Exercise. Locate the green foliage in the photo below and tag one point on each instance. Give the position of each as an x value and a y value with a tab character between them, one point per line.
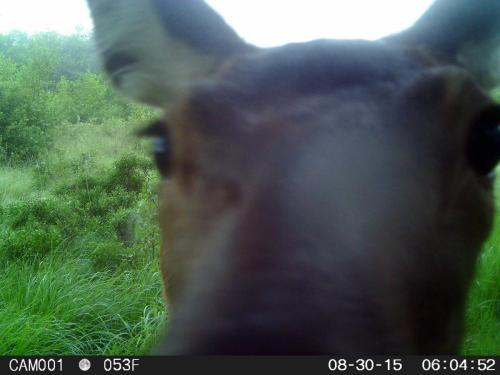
48	79
79	254
483	312
106	255
100	199
41	211
128	173
101	195
78	237
73	54
24	122
88	98
495	93
30	243
60	307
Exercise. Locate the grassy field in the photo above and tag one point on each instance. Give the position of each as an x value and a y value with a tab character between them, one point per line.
79	252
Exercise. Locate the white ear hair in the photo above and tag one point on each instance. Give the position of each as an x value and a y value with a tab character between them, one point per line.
144	59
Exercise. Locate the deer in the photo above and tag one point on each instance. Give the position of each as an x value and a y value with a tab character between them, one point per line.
327	197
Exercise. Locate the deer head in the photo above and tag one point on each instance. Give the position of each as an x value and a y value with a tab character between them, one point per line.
322	197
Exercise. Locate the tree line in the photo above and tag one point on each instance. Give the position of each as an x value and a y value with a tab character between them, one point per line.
48	79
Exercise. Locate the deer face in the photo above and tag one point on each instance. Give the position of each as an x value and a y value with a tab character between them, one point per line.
326	197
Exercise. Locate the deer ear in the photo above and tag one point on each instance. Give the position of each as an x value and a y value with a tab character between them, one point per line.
152	49
463	31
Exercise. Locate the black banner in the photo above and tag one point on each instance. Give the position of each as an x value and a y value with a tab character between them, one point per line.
254	365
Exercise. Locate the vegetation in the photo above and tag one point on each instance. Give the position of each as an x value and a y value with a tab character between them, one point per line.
78	236
46	80
483	313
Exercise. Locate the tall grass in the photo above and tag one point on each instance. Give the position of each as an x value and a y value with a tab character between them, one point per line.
62	306
15	184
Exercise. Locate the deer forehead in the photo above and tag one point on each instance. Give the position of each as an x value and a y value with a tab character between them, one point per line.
343	89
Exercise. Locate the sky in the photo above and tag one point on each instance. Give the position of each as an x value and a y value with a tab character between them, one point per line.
261	22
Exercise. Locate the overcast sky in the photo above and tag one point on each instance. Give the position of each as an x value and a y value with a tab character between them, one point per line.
261	22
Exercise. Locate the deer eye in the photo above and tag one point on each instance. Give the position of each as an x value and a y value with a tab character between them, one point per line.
161	145
161	152
483	149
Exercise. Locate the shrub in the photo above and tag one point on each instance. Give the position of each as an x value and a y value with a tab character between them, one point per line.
24	122
124	223
88	98
106	255
46	211
129	172
30	242
48	79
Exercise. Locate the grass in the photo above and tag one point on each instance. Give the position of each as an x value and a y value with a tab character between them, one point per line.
15	184
62	306
483	313
79	252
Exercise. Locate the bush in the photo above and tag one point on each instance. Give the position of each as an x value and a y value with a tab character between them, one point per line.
124	223
106	255
33	228
24	122
78	238
129	172
89	98
46	211
30	243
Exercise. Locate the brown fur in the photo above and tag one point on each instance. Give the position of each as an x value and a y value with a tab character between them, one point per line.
344	220
321	196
